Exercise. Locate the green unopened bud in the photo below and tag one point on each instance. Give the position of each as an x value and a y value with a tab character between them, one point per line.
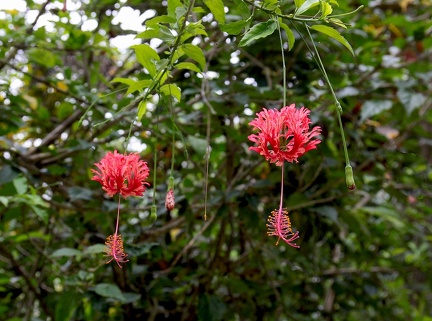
170	183
349	177
153	213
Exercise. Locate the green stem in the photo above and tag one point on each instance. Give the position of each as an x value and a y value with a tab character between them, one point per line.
348	168
94	102
155	163
173	134
273	13
283	64
347	13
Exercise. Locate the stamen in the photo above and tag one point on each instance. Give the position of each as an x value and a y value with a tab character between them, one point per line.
114	248
279	224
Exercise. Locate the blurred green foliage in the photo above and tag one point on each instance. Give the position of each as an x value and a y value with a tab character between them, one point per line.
365	254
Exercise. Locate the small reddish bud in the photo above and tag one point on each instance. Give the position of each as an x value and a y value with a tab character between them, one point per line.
169	200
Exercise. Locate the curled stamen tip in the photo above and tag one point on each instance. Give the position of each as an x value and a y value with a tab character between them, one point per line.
115	249
279	225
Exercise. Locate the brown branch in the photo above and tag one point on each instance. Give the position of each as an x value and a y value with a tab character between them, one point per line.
27	278
56	132
190	244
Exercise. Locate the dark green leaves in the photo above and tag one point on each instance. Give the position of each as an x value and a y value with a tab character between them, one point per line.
306	5
234	28
217	9
109	291
333	33
147	57
289	34
195	53
66	252
258	31
374	107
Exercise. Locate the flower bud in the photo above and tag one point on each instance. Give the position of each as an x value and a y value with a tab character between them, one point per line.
169	200
153	213
349	176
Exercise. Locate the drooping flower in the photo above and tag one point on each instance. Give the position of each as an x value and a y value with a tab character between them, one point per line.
283	135
123	174
114	249
170	200
279	224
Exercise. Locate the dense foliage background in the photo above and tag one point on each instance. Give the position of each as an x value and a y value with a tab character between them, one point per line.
365	254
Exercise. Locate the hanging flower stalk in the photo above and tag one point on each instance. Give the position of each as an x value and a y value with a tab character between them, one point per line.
124	175
283	135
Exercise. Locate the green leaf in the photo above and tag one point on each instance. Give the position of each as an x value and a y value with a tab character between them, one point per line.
260	30
166	35
66	306
148	34
146	56
241	9
160	19
410	99
195	53
210	308
32	199
217	8
172	6
95	249
234	28
66	251
43	57
308	4
333	33
31	235
298	3
126	81
130	297
188	66
40	212
142	108
386	213
337	22
326	9
109	291
20	184
65	110
198	144
139	86
171	90
4	200
374	107
289	34
7	174
270	4
80	193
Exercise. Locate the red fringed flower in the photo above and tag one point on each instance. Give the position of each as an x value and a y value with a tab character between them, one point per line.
279	225
114	249
123	174
283	135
